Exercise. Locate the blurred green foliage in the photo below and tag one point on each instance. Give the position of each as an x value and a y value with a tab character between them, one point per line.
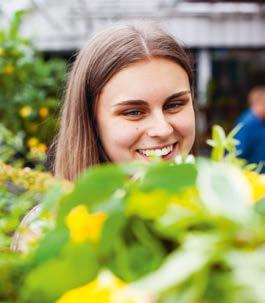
14	151
188	232
30	87
20	191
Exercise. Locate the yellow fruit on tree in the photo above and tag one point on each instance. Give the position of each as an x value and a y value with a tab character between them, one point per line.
42	147
25	111
8	69
43	112
32	142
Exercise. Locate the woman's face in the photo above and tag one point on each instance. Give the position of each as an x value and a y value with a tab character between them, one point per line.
146	110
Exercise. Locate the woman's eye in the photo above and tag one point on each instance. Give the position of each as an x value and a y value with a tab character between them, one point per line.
173	105
133	113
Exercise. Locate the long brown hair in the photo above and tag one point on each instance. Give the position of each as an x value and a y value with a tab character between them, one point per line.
78	145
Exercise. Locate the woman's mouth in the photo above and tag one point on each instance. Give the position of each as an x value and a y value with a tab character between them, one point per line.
165	152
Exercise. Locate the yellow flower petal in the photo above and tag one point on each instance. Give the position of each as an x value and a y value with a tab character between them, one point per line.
257	182
97	291
187	198
84	226
105	289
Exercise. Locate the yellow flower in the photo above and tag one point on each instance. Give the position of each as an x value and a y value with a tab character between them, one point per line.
148	205
8	69
257	182
154	204
32	142
42	147
25	111
43	112
30	179
2	51
188	198
97	291
84	226
105	289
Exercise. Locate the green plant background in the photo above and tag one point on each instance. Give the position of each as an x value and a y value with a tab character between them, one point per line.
28	82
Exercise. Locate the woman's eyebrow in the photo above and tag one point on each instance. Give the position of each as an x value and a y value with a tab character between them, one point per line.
178	95
142	102
130	102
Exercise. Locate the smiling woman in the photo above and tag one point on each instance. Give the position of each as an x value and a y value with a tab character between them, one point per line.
146	110
129	97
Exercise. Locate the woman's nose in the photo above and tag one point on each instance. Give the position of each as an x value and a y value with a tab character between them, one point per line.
159	126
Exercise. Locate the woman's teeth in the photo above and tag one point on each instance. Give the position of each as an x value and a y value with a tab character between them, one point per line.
157	152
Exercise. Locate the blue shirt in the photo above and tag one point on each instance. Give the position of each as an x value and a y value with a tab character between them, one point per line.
252	138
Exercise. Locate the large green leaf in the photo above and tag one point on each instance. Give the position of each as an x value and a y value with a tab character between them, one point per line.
169	177
182	264
75	266
94	186
112	231
51	245
129	248
13	270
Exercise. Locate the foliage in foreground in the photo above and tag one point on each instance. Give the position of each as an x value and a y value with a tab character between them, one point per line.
158	232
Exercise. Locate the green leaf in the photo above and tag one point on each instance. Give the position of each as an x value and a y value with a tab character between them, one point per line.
191	291
178	220
51	245
260	207
180	265
234	131
13	270
129	260
76	266
168	177
15	24
217	142
218	134
210	142
94	186
111	232
51	199
222	288
146	238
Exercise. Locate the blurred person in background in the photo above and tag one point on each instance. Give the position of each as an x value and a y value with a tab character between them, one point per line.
252	133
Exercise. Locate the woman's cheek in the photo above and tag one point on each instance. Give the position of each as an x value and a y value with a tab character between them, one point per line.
127	136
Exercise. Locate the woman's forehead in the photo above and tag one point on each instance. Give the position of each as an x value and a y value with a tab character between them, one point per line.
143	79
